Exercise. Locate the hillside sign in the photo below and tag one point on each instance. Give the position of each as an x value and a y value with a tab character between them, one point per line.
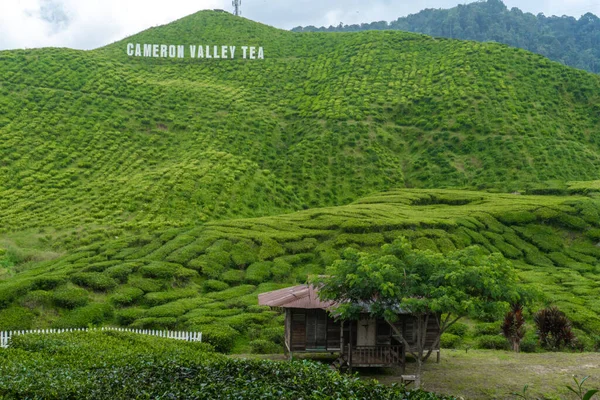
205	52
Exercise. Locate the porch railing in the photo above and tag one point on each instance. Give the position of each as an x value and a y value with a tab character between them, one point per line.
377	355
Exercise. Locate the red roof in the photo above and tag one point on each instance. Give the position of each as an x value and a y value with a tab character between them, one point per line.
302	296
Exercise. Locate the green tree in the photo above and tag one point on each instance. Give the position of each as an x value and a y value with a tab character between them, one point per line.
423	283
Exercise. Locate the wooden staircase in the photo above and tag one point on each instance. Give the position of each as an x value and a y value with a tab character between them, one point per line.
340	364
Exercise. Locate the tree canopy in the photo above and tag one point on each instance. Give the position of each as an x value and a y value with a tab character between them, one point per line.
464	282
400	279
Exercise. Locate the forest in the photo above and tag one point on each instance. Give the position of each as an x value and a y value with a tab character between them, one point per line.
566	39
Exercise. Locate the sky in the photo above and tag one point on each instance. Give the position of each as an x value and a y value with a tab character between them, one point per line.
88	24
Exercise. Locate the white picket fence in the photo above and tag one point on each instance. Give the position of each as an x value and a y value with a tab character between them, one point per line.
177	335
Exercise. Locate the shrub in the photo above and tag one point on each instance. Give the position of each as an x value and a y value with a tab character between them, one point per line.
87	365
303	246
184	275
13	290
159	323
120	272
207	266
15	318
49	282
37	298
211	285
270	249
493	342
127	316
221	337
219	257
593	234
126	296
70	297
281	269
96	281
147	285
92	314
491	328
459	329
553	328
259	272
516	217
262	346
529	344
158	298
233	276
424	243
450	341
159	270
273	334
513	326
244	253
242	322
175	308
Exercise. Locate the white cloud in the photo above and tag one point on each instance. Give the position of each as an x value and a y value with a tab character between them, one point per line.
92	23
87	24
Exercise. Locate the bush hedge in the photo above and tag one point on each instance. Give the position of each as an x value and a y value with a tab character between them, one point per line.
114	365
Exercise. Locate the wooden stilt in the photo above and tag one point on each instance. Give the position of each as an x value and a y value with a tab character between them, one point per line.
350	349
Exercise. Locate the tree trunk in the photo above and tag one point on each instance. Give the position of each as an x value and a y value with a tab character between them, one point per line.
516	345
418	374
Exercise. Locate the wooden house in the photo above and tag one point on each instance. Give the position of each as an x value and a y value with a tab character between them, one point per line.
367	342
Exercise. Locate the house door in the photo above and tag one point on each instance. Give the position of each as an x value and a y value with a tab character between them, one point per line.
316	329
298	330
366	332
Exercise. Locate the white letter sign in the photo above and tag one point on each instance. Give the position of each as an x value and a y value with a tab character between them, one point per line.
204	51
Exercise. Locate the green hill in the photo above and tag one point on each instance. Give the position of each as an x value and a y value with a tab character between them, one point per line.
565	39
208	277
169	192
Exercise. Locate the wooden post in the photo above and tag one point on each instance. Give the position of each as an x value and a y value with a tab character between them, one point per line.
403	358
350	349
342	339
288	334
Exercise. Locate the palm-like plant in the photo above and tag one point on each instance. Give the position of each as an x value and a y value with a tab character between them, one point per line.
513	326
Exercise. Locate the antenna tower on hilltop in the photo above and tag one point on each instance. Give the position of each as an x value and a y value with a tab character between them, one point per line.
237	7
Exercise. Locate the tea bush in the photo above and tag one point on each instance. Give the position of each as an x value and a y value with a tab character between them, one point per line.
109	365
70	297
494	342
94	280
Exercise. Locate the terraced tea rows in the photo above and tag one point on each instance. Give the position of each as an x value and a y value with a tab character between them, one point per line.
101	138
209	277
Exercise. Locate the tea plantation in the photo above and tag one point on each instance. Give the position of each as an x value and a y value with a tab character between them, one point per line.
208	277
121	366
168	193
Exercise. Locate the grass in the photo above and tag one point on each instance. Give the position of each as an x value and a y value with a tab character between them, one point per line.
486	374
493	374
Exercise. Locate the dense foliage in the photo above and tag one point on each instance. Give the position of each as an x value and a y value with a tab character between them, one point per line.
554	328
113	365
428	285
157	193
565	39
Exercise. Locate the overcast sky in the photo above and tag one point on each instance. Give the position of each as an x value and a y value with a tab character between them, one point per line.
87	24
